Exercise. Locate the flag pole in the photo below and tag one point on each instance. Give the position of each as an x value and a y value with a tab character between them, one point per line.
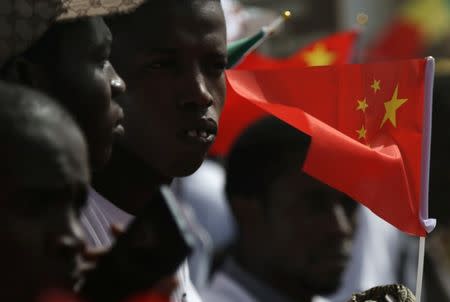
420	262
239	49
428	224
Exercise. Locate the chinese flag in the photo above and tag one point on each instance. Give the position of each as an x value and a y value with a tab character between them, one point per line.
401	40
367	128
335	49
417	25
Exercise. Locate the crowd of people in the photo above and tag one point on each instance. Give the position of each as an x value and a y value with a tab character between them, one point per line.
108	109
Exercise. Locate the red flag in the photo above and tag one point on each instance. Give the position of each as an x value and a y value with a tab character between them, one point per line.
401	40
236	117
335	49
366	124
416	26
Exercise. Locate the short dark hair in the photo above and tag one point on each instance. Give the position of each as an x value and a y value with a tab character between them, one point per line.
28	121
262	153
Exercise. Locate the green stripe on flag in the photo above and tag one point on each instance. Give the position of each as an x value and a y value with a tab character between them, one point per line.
237	50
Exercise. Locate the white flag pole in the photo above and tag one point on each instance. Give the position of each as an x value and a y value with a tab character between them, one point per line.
419	281
428	224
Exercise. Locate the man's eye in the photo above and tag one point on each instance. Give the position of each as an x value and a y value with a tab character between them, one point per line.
217	68
222	65
160	64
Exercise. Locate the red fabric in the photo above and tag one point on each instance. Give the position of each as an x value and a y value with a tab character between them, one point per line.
400	40
237	116
339	45
381	171
153	296
58	296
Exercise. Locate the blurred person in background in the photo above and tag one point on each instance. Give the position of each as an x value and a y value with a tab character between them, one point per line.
294	232
44	179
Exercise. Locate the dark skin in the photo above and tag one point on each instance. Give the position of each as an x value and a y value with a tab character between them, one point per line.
300	219
172	55
80	78
174	70
40	200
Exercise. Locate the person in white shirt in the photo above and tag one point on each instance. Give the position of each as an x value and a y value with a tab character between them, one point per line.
172	55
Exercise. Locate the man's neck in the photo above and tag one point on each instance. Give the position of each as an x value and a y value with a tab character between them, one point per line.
127	181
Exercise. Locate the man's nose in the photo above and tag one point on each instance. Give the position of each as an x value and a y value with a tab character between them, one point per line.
196	91
118	86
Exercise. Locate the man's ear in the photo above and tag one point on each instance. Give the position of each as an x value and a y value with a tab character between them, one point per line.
23	71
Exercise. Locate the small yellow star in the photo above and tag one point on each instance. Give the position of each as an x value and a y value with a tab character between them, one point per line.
362	105
361	132
375	85
319	56
391	108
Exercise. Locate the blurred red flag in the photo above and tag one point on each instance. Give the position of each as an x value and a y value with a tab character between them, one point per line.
366	123
335	49
401	40
416	26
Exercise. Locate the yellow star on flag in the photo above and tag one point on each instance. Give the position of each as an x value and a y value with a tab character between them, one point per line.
319	56
362	105
375	85
362	132
391	108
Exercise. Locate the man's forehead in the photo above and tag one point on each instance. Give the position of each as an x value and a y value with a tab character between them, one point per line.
166	21
91	31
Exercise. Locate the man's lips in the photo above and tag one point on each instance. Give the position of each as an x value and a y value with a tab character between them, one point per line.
201	131
118	128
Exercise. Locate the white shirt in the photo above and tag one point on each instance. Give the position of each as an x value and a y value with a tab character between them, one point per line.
97	218
233	284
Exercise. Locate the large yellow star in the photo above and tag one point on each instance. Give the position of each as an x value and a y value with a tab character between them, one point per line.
391	108
375	85
418	12
319	56
362	105
362	132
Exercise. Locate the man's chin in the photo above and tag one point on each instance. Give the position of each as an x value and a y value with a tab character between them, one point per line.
186	167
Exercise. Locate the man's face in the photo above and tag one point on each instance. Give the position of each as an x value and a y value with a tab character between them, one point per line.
41	234
41	237
310	228
172	54
85	82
